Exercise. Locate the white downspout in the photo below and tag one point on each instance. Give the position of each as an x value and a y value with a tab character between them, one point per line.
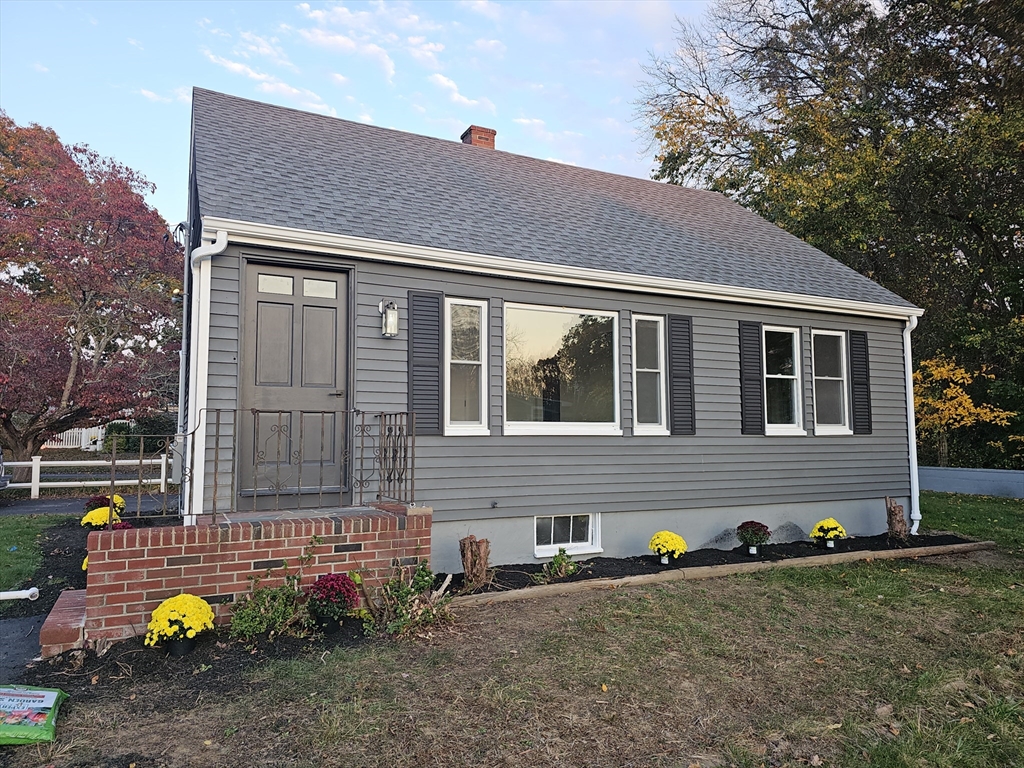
199	342
915	484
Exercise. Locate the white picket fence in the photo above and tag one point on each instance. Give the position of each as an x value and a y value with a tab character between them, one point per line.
142	477
83	438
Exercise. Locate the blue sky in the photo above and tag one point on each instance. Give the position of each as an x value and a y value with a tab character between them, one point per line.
555	79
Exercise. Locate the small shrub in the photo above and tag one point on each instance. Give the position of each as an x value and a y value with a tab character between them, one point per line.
753	533
561	566
407	602
99	517
179	617
269	611
273	611
97	502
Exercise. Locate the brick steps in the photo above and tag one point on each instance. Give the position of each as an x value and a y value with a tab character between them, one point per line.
64	628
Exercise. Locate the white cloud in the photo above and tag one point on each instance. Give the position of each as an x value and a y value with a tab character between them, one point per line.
239	68
183	93
305	98
453	90
484	7
535	127
493	47
253	44
40	68
339	79
345	44
559	160
424	52
365	118
135	43
154	96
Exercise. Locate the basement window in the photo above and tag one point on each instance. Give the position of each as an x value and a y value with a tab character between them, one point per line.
576	534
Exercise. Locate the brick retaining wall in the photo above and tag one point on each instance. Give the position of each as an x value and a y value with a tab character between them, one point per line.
131	571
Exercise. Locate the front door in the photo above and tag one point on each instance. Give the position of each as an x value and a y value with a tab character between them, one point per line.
292	427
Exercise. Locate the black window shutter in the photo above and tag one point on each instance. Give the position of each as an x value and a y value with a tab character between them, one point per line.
860	383
680	375
425	355
751	380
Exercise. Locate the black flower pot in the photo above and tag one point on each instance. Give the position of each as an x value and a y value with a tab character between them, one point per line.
180	646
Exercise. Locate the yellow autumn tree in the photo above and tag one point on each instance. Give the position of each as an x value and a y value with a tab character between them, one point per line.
942	403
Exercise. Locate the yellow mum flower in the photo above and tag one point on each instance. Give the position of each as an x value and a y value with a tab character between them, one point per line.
85	563
100	516
829	528
179	615
666	543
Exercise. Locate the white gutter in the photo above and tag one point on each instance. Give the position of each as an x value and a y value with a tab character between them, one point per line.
419	255
915	483
199	348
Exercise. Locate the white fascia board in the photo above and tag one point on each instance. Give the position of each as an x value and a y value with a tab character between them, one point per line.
272	236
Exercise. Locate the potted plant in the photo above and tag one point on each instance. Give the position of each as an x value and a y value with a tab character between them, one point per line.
827	531
176	622
666	544
100	510
329	598
753	535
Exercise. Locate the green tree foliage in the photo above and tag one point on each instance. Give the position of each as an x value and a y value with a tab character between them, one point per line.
891	136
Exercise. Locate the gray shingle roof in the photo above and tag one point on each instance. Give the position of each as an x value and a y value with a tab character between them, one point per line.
272	165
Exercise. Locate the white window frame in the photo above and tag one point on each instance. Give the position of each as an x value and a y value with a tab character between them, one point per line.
463	427
613	427
661	428
796	429
832	429
592	547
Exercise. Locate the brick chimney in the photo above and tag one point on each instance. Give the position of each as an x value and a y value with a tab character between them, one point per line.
479	137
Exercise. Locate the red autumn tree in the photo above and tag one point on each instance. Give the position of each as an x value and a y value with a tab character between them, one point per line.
87	327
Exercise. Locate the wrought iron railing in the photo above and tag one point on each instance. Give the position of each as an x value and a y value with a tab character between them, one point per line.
294	460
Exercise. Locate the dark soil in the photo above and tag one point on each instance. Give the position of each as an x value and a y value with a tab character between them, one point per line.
64	548
217	666
521	576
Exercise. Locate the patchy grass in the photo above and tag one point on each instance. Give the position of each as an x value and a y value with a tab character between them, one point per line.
904	663
19	547
983	517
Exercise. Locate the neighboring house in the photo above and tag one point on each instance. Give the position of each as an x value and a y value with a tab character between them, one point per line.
590	358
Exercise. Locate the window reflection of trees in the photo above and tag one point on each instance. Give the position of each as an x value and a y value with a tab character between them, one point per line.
575	384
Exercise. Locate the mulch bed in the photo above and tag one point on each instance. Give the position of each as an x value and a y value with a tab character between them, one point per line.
218	664
521	576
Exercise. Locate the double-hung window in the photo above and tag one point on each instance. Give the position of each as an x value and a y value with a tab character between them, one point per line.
561	371
828	350
465	367
782	381
649	376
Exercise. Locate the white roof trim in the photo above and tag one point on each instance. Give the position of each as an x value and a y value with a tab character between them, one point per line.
403	253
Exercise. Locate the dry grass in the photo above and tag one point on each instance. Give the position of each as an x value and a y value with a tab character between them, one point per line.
881	664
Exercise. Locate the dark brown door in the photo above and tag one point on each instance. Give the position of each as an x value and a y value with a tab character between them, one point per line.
293	393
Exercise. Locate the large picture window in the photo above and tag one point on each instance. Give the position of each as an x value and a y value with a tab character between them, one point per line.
465	367
782	381
561	371
830	399
649	376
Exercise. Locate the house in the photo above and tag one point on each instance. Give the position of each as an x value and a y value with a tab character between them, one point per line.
571	358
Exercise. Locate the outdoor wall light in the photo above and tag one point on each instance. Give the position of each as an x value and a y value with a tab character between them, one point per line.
388	318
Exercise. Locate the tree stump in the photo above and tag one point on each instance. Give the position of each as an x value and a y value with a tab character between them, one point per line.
897	522
476	554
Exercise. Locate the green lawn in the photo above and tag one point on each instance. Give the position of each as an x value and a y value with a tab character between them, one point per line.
981	517
19	547
891	664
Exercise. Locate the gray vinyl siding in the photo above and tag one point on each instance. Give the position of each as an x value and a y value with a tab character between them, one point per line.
463	477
